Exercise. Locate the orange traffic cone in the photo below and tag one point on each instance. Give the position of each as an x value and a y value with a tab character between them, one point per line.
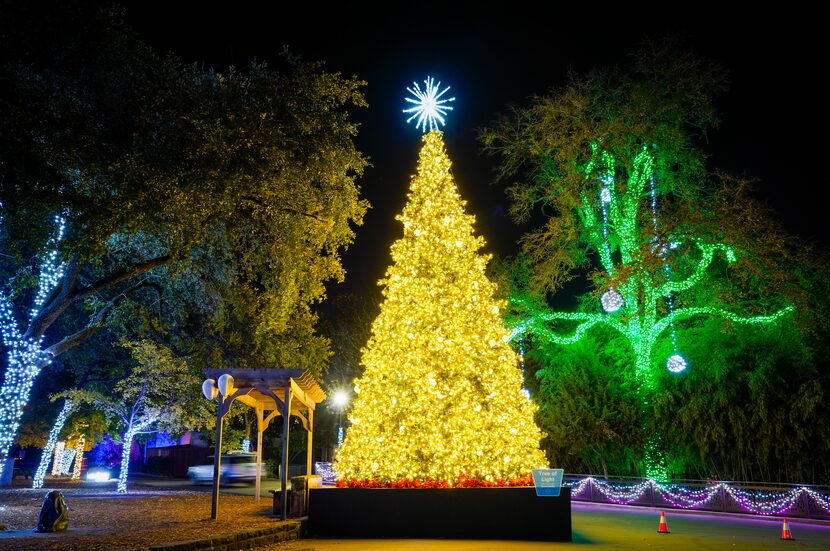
785	531
664	528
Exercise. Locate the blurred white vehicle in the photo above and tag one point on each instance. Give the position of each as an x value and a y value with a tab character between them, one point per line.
235	467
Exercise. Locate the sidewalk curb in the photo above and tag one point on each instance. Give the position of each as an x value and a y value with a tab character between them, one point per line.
288	530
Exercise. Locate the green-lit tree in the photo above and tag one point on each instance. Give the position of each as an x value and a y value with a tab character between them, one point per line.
612	158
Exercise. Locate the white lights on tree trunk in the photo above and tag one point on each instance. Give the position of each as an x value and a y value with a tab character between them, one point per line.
24	355
79	457
56	462
66	461
37	481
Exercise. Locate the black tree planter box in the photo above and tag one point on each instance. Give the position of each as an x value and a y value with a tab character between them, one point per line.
456	513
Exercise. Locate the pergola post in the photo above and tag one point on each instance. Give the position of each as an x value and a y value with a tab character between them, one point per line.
310	434
285	479
259	429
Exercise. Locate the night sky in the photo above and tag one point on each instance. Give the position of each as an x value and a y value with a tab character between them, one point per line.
774	117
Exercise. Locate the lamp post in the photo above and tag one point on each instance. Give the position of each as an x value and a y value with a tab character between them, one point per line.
340	400
221	390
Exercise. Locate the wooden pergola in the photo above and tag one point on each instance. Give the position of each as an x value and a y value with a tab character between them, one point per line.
271	392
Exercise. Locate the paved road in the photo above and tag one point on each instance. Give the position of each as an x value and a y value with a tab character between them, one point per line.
607	528
244	489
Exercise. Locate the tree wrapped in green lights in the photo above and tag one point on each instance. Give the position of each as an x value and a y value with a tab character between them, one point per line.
613	157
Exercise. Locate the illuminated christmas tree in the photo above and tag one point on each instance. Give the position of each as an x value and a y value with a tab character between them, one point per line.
440	396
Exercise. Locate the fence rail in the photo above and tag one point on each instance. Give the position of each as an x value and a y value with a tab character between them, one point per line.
796	501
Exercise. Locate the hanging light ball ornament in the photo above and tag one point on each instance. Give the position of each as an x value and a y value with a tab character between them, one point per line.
676	363
611	300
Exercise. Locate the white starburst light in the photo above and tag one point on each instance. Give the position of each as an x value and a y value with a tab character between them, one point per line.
429	109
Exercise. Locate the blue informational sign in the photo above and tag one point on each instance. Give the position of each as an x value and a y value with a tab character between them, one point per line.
547	481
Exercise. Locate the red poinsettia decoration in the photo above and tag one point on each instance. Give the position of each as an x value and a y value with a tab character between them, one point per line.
464	480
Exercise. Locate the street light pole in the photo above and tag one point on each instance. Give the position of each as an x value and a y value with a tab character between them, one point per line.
340	400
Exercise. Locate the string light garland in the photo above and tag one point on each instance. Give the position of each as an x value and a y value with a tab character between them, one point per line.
440	395
246	445
676	363
46	455
525	392
682	497
24	356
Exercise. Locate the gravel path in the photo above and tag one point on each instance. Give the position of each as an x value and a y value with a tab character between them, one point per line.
102	520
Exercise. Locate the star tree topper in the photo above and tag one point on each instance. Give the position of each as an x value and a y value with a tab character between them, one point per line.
429	109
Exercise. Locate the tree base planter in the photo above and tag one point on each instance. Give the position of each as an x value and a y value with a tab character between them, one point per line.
456	513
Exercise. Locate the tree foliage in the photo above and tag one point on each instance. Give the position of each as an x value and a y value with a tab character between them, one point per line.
250	175
611	172
229	194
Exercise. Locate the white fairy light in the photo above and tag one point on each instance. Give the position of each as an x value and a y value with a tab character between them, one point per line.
676	363
66	460
605	195
127	447
56	464
685	497
79	457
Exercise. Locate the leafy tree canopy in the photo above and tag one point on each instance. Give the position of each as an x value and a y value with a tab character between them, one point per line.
242	183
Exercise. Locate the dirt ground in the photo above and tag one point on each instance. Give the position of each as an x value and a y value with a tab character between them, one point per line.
102	520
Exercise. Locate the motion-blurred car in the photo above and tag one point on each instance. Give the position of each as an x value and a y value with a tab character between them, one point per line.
235	467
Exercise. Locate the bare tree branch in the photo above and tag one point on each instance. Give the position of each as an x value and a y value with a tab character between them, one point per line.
119	277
